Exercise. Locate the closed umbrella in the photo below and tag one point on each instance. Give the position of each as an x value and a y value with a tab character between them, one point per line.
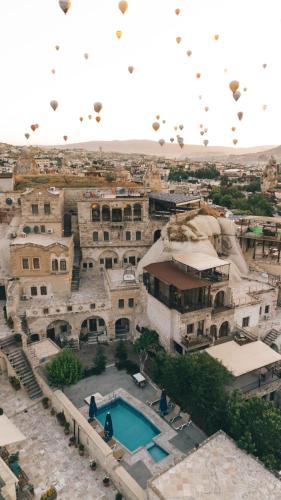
92	409
108	428
163	406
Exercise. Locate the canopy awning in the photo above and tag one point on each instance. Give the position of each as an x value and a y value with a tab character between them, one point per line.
199	261
170	274
9	433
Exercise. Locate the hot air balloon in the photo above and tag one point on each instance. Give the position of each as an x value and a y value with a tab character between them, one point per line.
27	136
235	141
225	70
178	39
234	85
53	71
157	117
181	145
198	75
81	119
90	117
98	119
264	107
205	142
233	129
172	139
189	52
164	121
264	66
118	34
175	128
57	47
86	55
65	5
123	6
202	132
33	127
240	115
206	108
181	127
54	105
161	142
201	125
245	89
205	130
97	107
65	137
236	95
131	69
216	37
177	11
155	126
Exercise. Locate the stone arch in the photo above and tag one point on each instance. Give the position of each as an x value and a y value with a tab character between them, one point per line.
157	235
219	300
131	257
122	328
94	325
224	329
59	330
214	332
108	259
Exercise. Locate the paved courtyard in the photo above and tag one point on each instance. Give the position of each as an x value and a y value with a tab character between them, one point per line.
45	455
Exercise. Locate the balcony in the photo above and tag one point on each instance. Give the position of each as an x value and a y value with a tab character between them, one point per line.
263	382
171	303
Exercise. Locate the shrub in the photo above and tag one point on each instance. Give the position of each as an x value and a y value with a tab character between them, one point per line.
15	383
50	493
88	372
131	367
65	369
100	360
61	418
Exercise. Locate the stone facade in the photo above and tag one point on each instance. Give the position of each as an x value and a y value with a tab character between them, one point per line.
42	211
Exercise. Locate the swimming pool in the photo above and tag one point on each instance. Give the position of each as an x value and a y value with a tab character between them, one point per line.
156	452
130	426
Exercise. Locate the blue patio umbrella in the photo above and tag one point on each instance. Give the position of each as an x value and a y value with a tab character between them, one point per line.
108	428
92	408
163	406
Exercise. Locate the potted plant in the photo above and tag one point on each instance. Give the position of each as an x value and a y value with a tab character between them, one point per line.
106	481
81	449
53	411
50	494
93	465
15	383
67	428
45	402
118	496
61	418
72	441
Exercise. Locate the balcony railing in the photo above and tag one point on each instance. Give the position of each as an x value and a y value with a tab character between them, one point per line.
172	304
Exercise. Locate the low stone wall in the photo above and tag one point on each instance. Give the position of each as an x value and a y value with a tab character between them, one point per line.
94	444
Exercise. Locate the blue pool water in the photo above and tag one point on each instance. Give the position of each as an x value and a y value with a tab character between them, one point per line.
130	427
157	452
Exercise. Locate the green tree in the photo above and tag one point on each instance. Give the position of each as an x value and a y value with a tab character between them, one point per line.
121	354
147	342
99	360
64	369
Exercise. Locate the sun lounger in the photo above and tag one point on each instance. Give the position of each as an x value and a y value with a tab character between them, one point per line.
173	414
119	454
179	424
154	399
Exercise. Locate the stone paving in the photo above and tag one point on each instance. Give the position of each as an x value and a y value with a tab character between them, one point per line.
45	456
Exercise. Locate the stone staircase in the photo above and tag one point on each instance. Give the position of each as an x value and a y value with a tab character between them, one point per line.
7	342
75	278
74	345
92	338
24	372
24	325
271	336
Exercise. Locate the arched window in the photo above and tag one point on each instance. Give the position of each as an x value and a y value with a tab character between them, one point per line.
55	265
106	236
95	213
95	236
116	215
137	211
105	213
127	212
138	235
128	235
62	265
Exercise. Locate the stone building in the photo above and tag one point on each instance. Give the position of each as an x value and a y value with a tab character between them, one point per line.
42	212
270	176
6	179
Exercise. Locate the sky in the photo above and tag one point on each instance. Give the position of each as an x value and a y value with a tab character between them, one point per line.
164	79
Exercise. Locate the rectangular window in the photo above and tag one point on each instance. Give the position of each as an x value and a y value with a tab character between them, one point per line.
266	309
106	236
25	263
128	235
138	235
84	265
69	308
115	261
43	290
101	261
190	328
46	310
92	306
34	209
95	236
47	208
33	291
63	265
131	302
121	303
101	322
246	321
36	263
42	229
125	260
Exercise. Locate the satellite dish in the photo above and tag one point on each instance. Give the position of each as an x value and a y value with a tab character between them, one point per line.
9	201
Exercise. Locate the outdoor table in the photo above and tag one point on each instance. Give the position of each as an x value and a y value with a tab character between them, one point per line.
139	379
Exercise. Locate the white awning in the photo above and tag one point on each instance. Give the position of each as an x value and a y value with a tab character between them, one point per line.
244	359
9	433
199	261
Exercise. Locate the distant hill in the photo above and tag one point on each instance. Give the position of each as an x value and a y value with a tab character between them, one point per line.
152	148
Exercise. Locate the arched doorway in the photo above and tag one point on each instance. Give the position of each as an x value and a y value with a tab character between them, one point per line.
219	299
93	325
122	328
67	224
214	332
59	331
224	329
157	235
108	259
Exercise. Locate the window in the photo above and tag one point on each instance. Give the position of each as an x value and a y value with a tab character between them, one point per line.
105	213
101	261
127	212
46	310
63	265
132	260
138	235
189	328
106	236
91	264
43	290
95	236
42	229
128	235
116	215
131	302
137	212
101	322
115	261
36	263
33	291
125	260
25	263
121	303
246	321
92	306
69	308
47	208
84	265
95	213
55	265
34	209
266	309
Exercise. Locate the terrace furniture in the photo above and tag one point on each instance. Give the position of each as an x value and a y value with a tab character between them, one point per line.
119	454
154	399
111	443
139	379
173	414
178	425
